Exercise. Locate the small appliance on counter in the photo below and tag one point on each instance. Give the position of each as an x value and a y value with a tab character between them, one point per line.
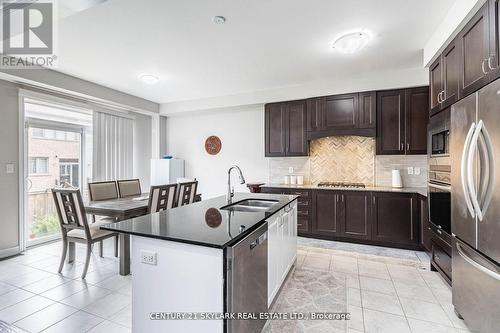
397	182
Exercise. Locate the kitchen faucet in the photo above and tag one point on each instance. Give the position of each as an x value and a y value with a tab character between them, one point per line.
230	190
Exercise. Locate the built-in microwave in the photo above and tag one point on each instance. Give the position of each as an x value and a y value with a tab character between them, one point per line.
439	134
440	143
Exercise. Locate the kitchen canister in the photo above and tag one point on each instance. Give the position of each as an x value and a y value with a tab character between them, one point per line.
293	179
300	180
286	180
396	179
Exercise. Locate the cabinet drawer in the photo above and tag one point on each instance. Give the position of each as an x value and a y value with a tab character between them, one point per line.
440	233
303	212
303	224
441	258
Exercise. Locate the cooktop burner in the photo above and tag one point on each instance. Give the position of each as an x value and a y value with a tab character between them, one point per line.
341	184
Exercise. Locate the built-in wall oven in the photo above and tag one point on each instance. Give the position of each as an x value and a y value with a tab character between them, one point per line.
439	196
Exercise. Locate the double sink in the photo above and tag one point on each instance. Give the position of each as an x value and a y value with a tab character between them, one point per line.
251	205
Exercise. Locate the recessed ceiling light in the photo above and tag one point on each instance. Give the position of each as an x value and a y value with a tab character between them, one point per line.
219	19
351	42
149	78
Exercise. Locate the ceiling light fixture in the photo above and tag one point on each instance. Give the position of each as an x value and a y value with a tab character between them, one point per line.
351	42
219	19
149	78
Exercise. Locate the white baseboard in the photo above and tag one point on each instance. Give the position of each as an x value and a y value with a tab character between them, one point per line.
9	252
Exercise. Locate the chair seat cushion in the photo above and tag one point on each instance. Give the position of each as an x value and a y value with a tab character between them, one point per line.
95	231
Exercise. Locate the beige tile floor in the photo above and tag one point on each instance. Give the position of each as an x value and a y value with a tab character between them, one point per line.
388	291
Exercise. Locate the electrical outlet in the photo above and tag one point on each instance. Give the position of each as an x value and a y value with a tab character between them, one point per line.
417	170
148	257
410	170
9	168
290	169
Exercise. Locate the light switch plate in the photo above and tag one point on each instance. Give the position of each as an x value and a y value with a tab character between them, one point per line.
410	170
416	170
149	257
10	168
290	169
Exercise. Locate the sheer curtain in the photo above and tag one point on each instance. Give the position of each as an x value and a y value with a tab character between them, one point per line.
113	146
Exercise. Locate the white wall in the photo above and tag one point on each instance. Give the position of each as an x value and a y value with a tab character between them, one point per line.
142	150
241	130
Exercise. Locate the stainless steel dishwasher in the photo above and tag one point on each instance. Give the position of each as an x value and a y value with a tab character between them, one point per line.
246	281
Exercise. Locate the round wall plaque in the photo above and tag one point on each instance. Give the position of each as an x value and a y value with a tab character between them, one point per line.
213	145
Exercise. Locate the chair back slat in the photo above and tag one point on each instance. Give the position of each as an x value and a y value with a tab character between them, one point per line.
187	193
129	187
103	190
70	210
162	197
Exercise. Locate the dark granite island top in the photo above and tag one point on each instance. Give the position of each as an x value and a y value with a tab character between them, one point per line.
203	223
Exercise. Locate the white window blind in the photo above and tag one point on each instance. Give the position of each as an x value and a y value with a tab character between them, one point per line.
113	147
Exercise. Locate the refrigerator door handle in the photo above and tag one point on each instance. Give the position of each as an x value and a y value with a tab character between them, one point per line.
470	168
486	140
463	169
477	265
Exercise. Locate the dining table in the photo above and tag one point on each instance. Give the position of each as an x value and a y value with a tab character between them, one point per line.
121	209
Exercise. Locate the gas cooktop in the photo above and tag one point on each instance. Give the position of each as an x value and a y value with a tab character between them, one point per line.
341	184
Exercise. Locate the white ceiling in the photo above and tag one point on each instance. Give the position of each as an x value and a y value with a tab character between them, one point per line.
264	45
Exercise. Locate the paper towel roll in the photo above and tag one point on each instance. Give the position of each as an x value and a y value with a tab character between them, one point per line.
396	178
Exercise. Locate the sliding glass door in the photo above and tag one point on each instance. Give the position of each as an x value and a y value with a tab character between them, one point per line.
54	159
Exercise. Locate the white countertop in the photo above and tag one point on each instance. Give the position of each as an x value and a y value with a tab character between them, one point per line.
419	190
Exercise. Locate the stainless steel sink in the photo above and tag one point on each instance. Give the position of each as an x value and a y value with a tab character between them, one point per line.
251	205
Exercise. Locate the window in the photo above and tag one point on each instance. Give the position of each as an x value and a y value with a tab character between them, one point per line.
38	165
69	172
41	133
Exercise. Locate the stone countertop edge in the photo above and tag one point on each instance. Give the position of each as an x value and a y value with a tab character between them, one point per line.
419	190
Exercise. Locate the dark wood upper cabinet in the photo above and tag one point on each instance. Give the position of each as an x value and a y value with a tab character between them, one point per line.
285	129
402	117
494	29
315	113
474	46
367	102
395	218
340	111
451	74
435	85
295	129
355	218
417	118
275	115
390	122
325	213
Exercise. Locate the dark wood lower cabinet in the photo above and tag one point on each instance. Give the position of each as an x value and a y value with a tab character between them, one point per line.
325	213
380	218
355	218
395	218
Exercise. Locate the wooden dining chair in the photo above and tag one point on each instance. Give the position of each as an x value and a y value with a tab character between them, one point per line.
128	187
162	197
75	227
186	193
105	190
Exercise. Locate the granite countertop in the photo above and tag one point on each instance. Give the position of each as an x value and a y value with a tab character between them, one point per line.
418	190
202	223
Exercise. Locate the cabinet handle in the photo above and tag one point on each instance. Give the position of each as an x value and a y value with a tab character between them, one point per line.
402	146
439	232
373	200
443	97
342	197
408	146
489	62
439	97
482	67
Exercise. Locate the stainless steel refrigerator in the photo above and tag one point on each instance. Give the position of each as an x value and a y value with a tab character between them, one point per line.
475	208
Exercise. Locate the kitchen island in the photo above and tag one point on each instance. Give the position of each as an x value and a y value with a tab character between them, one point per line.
201	259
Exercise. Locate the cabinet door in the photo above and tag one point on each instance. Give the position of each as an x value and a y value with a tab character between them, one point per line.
424	224
315	113
325	213
417	118
451	75
340	111
296	142
474	52
436	85
367	106
395	218
272	258
390	122
356	214
275	129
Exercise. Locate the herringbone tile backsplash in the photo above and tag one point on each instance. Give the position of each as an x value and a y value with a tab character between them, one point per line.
343	159
349	159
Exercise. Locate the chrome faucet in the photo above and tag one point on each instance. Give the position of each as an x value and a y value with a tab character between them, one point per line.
230	189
